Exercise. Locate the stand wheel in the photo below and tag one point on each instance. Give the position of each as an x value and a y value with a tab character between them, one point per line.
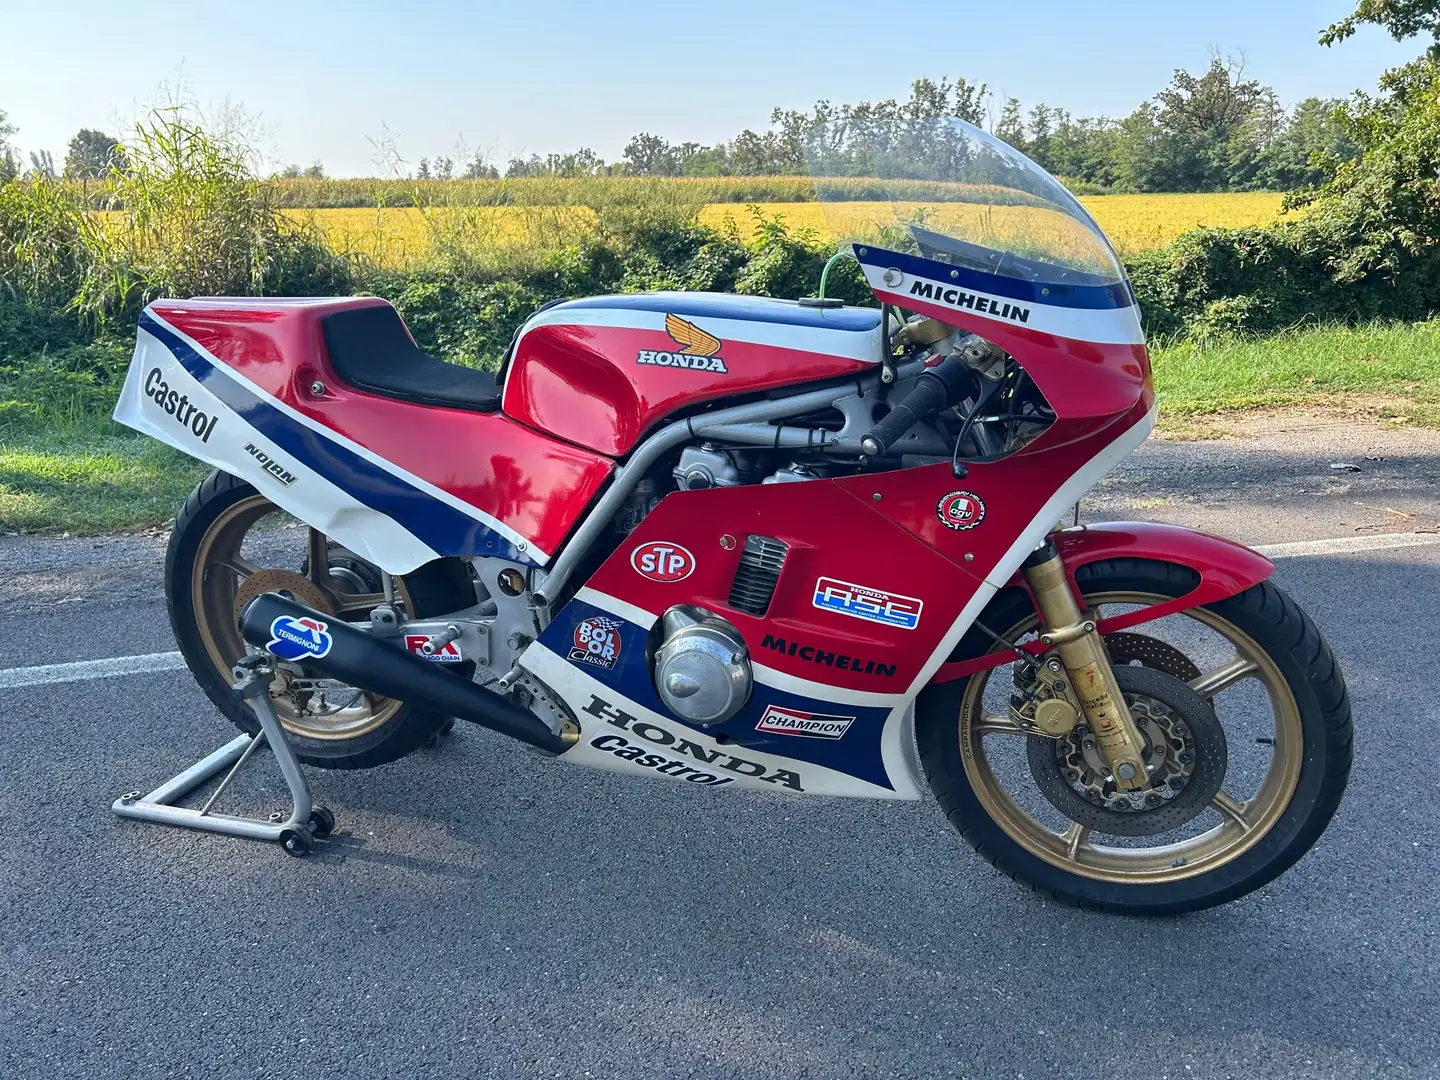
297	842
322	823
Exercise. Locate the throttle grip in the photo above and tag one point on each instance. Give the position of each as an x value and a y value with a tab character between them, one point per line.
935	389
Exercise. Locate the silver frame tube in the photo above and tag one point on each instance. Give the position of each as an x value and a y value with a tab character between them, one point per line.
551	581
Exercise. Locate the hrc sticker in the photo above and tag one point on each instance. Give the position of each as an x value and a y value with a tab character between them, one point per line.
863	602
960	510
806	724
662	561
299	639
597	642
448	653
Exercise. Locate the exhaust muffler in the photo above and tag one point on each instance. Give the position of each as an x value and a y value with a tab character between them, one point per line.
337	650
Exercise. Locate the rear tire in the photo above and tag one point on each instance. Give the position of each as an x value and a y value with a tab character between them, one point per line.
1266	617
434	589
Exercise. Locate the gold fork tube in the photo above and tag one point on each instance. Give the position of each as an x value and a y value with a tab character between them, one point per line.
1082	652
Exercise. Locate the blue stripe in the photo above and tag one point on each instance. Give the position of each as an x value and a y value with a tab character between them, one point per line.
1090	297
728	306
856	753
435	523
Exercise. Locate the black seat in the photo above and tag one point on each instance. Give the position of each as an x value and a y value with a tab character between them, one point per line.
371	350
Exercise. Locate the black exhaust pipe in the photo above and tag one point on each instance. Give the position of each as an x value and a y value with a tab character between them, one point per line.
337	650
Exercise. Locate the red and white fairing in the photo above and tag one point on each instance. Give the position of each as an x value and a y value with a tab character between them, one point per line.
605	371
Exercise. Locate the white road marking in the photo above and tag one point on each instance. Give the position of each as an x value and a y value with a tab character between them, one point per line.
149	663
10	678
1343	545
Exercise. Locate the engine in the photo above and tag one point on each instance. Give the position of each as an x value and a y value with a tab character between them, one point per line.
702	668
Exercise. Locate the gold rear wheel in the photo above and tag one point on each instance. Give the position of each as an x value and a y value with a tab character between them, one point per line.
229	544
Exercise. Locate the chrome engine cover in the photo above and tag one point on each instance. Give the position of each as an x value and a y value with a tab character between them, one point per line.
702	670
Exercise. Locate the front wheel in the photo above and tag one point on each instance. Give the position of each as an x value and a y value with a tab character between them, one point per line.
1045	812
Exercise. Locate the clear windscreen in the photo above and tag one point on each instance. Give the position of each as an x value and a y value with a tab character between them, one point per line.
944	190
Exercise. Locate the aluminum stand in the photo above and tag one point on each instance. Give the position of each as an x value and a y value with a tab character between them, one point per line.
296	834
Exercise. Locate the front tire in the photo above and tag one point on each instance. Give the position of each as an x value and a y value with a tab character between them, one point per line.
204	569
1256	838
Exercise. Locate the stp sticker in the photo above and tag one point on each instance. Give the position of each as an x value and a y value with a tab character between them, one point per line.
960	510
299	639
808	725
446	654
597	642
661	561
863	602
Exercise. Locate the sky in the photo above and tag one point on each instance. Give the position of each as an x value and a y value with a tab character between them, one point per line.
326	81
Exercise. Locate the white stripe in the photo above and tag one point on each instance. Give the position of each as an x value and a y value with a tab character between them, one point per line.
46	674
1342	545
613	604
314	499
454	501
859	345
1068	494
768	676
765	676
1105	326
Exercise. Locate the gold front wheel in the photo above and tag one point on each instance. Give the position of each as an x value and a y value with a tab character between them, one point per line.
1272	682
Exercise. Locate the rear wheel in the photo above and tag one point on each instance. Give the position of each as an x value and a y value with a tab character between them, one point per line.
230	544
1047	814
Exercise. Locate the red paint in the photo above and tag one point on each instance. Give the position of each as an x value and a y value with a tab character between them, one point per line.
534	484
1225	568
830	535
583	383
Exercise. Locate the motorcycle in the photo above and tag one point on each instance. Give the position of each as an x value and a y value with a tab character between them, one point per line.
790	546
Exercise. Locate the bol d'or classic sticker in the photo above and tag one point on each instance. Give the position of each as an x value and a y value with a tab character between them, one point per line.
960	510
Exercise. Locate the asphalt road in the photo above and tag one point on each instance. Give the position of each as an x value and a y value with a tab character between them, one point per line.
484	912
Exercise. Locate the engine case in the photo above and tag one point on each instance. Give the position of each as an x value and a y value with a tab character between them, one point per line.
702	671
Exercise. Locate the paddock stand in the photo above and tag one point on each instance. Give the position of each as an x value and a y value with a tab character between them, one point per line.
296	834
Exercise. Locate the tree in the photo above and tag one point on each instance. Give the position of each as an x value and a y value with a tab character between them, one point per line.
316	171
1011	128
444	168
650	155
423	171
478	168
1400	18
1210	118
93	154
1315	140
9	167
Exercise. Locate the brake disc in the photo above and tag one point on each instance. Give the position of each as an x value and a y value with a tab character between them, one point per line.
1127	648
1183	747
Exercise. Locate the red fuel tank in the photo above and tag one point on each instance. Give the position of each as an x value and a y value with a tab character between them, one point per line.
603	371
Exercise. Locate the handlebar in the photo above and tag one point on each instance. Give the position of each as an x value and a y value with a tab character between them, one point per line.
936	388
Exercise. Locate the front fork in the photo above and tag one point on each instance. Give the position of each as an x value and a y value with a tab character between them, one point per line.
1074	636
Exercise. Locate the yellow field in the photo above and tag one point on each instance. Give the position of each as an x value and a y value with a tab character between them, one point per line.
396	235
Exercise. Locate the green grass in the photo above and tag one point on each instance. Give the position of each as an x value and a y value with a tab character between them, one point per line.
86	482
1323	365
65	466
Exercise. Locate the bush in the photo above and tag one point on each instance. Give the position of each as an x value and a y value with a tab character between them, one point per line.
1368	247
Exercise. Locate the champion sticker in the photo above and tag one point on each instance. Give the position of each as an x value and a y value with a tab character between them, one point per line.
299	639
960	510
808	725
597	642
